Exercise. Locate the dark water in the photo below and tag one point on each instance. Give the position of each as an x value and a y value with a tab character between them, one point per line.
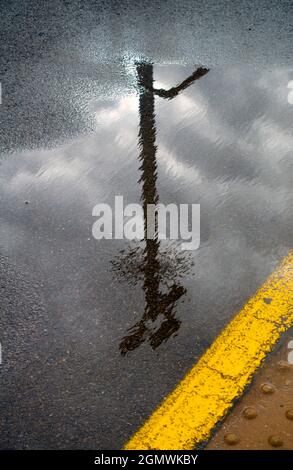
95	333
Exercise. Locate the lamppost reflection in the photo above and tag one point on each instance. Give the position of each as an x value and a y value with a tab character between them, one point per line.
159	269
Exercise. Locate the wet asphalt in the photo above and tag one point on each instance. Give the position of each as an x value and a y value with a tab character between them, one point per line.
95	333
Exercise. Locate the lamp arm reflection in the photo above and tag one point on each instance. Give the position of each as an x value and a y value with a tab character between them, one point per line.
174	91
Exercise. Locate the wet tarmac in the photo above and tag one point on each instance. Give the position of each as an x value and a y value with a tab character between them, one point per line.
95	333
55	59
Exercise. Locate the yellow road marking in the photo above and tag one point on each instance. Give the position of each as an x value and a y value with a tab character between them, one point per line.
189	413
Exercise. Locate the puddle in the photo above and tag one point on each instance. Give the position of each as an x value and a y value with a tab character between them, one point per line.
118	323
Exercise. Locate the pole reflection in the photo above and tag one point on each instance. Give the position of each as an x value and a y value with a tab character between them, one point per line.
160	270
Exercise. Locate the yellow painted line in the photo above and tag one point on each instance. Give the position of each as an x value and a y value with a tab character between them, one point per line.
189	413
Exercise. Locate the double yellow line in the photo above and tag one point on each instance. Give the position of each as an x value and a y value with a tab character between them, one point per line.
188	415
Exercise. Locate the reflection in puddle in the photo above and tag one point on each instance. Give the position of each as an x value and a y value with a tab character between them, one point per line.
154	266
224	142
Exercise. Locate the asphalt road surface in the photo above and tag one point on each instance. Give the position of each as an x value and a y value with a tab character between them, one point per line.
95	333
